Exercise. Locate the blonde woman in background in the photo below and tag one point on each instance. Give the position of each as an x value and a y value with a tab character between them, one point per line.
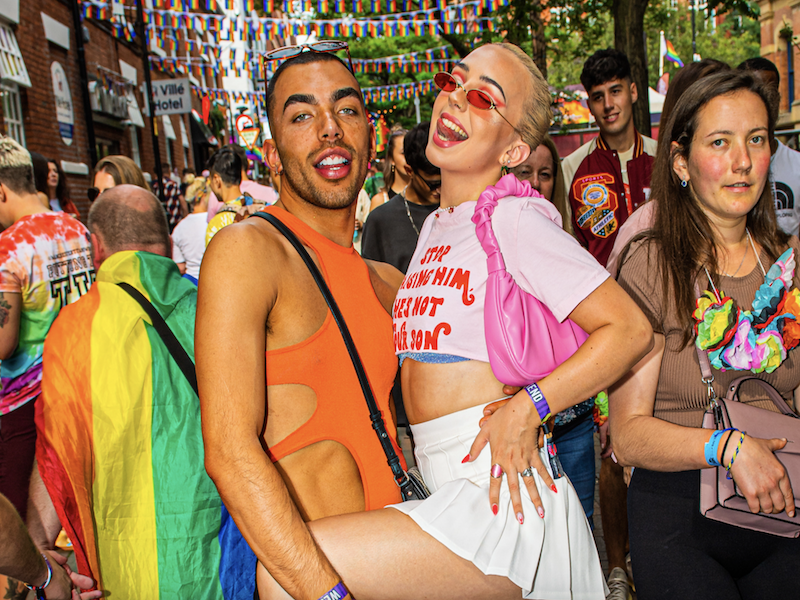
543	170
189	236
112	171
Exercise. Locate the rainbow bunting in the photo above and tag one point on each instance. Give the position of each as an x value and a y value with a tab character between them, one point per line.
120	444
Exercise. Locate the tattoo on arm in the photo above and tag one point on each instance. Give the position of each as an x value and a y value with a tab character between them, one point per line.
5	311
15	590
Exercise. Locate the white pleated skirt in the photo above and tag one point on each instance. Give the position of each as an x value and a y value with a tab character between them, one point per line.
554	558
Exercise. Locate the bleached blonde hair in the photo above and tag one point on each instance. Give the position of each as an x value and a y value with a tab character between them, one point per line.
16	167
536	114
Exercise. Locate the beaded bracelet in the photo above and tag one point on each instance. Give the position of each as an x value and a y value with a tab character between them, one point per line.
539	401
336	593
725	447
39	589
735	454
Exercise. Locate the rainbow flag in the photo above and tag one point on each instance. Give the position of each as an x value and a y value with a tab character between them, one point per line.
671	55
120	447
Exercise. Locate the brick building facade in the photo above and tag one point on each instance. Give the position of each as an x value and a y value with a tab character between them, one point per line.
780	23
45	35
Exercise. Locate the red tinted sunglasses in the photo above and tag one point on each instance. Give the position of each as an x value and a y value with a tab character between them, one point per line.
477	98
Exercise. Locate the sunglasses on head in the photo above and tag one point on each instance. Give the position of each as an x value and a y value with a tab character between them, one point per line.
477	98
321	47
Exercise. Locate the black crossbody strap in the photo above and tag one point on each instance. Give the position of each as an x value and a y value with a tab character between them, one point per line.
181	357
375	416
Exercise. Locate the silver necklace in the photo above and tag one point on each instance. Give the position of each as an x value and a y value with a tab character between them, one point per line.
408	210
746	250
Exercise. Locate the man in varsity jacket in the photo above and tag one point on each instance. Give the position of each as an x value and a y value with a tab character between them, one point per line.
609	177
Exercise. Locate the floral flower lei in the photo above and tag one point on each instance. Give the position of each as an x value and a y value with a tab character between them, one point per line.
756	339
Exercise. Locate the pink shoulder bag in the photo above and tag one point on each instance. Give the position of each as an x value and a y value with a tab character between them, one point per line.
525	340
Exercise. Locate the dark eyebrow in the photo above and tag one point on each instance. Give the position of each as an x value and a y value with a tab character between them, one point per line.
726	132
299	99
491	81
462	65
347	92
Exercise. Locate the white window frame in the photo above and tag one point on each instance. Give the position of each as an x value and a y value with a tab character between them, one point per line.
12	112
169	151
135	145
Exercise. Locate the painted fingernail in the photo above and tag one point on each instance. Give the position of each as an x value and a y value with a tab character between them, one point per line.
540	510
554	488
494	509
520	518
465	459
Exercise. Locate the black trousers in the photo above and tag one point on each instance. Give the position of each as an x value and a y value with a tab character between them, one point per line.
17	450
677	553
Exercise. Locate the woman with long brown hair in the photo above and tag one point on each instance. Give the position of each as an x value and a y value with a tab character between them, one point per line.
395	175
715	231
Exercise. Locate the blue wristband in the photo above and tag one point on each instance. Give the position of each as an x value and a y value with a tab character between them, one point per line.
539	401
712	446
337	593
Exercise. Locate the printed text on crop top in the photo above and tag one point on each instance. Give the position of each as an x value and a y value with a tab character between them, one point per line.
439	307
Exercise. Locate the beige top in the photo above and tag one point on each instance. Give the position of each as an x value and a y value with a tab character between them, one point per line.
681	396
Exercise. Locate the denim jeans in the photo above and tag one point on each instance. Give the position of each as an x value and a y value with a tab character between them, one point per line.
576	451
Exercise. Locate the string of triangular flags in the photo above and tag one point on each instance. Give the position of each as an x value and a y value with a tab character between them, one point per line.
357	7
382	93
461	17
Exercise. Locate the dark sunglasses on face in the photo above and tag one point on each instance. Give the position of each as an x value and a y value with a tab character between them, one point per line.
93	193
477	98
432	185
292	51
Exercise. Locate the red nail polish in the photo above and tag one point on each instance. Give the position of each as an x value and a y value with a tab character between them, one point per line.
465	459
494	509
554	488
540	510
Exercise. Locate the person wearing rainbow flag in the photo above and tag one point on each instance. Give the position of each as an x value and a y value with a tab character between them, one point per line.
120	449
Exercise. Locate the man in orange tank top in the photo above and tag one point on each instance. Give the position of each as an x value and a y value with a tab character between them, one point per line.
302	447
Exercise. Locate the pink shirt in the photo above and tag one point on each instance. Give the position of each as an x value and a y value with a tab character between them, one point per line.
439	307
260	193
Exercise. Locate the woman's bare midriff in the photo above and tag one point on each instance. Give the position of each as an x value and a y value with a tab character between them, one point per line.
434	390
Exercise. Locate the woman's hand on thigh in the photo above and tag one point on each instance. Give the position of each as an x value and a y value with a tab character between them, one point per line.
760	476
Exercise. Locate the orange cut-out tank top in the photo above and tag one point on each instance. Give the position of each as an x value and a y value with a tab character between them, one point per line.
322	363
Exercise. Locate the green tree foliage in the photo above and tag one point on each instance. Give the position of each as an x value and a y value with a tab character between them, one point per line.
735	39
399	111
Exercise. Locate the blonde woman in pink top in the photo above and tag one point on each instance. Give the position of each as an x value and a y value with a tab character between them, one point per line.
507	534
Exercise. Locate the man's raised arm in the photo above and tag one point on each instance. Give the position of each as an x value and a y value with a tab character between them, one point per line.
236	297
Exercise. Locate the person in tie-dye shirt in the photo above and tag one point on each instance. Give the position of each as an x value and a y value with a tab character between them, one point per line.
45	263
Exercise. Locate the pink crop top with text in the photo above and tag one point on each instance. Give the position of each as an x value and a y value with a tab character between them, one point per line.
439	307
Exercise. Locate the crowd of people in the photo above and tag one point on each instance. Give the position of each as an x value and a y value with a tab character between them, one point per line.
183	399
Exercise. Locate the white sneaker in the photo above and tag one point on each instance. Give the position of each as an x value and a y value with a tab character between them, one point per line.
618	586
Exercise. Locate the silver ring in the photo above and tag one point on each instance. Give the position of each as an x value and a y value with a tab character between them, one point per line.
527	472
